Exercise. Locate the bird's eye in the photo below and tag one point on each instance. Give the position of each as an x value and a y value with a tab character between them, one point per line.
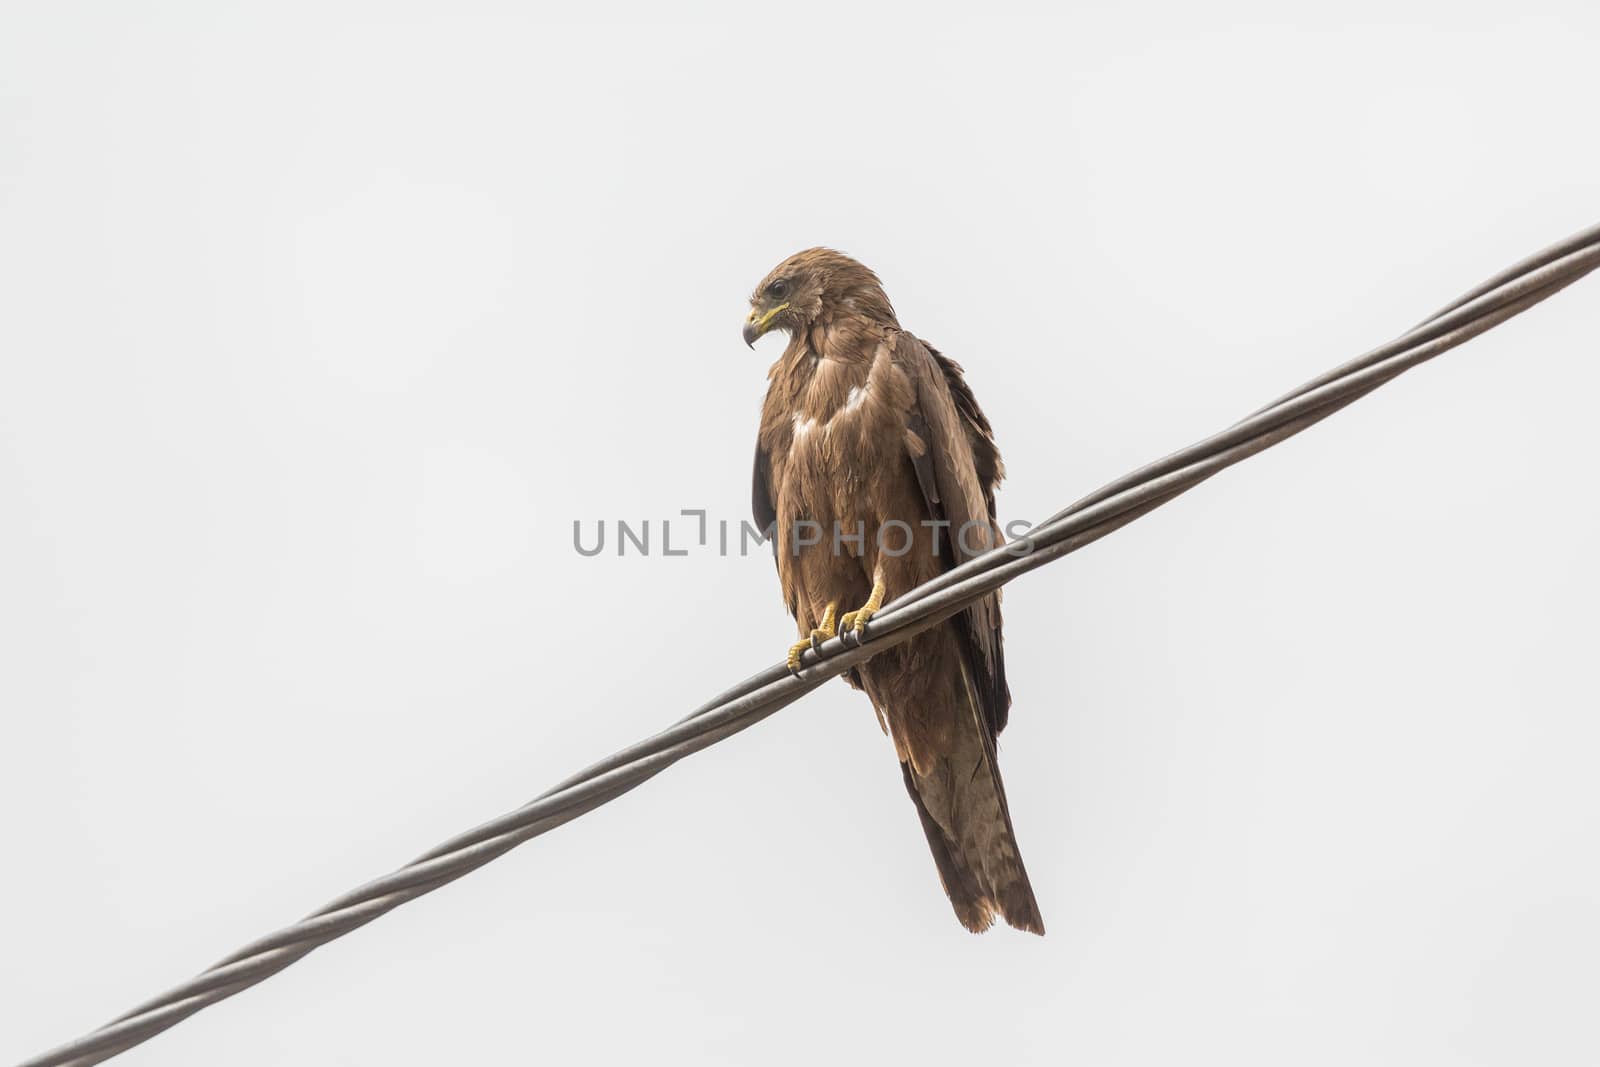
778	289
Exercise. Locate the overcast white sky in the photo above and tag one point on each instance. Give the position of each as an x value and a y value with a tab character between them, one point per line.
321	323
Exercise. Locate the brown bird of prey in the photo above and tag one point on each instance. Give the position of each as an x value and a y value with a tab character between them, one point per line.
878	471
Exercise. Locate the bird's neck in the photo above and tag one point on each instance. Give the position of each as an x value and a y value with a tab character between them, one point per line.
823	363
836	338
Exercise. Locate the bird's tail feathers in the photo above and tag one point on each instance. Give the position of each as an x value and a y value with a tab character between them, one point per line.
961	802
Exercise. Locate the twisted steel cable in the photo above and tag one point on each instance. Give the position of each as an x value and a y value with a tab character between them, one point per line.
1091	518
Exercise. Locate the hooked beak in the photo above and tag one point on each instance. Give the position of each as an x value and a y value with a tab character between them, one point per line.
759	323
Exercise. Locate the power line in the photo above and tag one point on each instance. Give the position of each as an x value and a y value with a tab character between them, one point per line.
1091	518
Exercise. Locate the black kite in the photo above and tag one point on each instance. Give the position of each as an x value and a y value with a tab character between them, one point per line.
879	471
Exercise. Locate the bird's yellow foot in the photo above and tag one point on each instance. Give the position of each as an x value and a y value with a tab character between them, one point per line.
823	631
856	621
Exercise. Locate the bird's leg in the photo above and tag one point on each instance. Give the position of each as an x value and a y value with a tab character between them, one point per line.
821	633
856	621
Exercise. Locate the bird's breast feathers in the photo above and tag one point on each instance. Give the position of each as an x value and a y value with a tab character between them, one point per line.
831	414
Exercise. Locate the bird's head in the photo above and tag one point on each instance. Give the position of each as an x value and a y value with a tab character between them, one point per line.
812	286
